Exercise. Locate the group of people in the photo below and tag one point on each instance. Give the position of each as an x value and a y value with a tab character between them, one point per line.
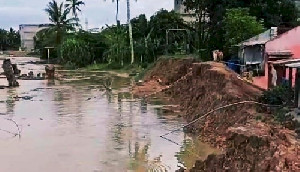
218	55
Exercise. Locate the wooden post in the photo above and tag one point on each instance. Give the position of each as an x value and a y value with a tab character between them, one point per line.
297	87
290	77
48	55
284	72
167	42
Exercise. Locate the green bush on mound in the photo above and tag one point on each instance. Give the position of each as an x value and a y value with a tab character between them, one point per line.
280	95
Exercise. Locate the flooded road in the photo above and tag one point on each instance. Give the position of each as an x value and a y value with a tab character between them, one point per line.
76	125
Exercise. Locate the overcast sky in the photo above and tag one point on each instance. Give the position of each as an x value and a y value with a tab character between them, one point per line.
98	12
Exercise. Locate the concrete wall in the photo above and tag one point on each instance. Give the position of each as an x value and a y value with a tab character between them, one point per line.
287	41
180	8
27	34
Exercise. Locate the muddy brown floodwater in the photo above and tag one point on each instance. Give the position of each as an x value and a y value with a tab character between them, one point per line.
75	125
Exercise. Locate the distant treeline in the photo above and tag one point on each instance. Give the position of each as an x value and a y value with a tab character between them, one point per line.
9	39
219	24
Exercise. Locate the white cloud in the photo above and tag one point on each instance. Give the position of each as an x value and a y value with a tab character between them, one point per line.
98	12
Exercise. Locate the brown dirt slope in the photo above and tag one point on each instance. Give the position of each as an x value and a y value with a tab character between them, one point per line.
249	145
255	146
169	70
208	86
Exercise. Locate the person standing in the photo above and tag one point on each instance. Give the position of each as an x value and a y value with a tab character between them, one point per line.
274	75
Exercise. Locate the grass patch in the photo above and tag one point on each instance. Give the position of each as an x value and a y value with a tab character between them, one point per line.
131	68
143	72
94	67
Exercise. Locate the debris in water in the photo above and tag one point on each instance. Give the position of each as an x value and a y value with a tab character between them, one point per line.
9	73
50	70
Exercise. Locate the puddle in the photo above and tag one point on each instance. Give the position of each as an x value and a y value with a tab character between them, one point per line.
77	125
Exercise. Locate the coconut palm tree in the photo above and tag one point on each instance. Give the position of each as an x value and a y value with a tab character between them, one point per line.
74	6
117	13
58	16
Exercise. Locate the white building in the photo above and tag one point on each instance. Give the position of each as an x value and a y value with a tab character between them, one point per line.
27	34
179	7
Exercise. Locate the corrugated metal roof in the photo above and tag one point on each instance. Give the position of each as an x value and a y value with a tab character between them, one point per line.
280	53
258	39
293	65
285	61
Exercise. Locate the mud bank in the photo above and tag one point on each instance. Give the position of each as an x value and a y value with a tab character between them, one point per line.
199	88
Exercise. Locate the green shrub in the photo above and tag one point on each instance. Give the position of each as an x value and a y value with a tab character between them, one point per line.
76	52
280	95
281	115
114	66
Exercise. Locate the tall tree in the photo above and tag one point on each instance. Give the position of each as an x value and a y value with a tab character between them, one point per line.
130	31
239	26
199	7
117	11
58	16
210	15
74	6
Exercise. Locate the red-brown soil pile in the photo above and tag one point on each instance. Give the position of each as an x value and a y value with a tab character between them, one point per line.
148	88
165	72
169	70
255	146
209	86
248	145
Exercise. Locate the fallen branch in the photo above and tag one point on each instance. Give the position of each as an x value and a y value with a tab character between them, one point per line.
19	131
14	134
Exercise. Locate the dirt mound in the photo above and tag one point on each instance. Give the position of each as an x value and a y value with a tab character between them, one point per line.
255	146
169	70
203	87
148	88
208	86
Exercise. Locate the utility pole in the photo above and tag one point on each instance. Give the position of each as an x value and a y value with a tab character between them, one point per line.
130	31
86	24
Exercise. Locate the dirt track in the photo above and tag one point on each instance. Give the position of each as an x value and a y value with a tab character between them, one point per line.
201	87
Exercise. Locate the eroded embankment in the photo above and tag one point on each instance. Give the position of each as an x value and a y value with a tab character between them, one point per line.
202	87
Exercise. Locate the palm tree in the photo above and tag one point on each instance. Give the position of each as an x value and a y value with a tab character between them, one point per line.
60	23
73	6
117	13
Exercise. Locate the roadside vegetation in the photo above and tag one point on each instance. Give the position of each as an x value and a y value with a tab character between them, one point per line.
9	39
140	41
282	97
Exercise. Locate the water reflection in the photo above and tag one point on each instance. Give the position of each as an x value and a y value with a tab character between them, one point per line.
193	150
11	101
83	122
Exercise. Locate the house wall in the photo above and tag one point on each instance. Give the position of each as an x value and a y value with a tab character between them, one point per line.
179	6
186	15
287	41
27	34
